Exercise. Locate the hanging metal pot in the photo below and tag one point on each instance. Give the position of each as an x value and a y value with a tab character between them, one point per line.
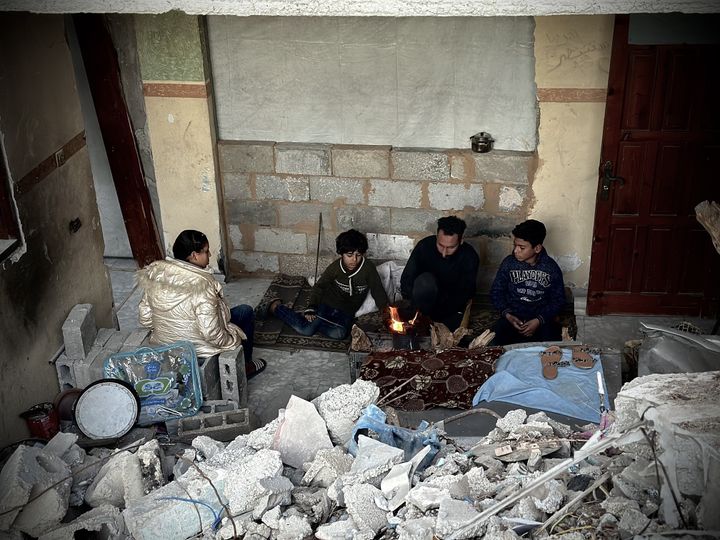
482	142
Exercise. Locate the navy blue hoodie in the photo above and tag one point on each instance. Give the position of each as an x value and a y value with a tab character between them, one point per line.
528	291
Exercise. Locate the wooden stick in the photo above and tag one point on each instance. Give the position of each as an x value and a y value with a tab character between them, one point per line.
398	387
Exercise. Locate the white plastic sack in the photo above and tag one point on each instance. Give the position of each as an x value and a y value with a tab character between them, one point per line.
389	273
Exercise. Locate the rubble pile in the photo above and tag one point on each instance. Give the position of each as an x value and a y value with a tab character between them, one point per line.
297	477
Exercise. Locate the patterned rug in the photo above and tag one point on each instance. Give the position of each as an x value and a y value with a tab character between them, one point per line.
420	380
294	291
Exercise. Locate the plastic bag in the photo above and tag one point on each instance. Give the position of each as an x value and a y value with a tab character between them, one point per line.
166	378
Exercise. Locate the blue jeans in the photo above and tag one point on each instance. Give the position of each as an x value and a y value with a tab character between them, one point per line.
244	317
337	329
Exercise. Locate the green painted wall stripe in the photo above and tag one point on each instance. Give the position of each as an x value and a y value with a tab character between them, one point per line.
169	47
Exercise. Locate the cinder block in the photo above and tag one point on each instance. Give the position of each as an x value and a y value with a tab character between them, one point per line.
79	331
65	372
361	161
236	185
221	426
246	156
367	219
91	368
312	159
456	196
304	214
503	166
331	189
249	261
419	164
511	198
410	220
251	212
389	246
462	166
233	381
280	241
285	188
395	193
209	377
135	340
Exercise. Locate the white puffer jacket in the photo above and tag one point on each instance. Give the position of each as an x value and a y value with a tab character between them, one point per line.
182	301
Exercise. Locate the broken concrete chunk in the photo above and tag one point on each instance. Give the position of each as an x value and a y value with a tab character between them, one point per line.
60	444
552	499
258	439
535	460
417	529
493	467
426	497
373	461
271	518
301	434
532	430
28	473
617	505
337	530
560	429
327	466
293	528
184	462
341	406
480	486
207	447
633	522
312	501
607	526
453	517
118	483
277	491
151	456
511	420
105	520
242	487
360	501
526	509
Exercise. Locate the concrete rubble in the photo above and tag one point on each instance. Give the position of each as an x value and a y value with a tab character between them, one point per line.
656	469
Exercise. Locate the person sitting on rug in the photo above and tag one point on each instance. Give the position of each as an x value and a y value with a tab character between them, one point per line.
338	293
183	301
439	277
528	290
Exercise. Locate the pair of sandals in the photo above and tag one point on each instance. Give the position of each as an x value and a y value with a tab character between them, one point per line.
254	367
552	356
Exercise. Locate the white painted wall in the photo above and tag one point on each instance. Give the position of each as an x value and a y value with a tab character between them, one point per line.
368	8
413	82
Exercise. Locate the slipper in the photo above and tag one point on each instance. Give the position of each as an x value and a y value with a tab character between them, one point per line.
254	367
550	359
581	357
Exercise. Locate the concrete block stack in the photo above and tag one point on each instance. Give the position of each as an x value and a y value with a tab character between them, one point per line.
275	193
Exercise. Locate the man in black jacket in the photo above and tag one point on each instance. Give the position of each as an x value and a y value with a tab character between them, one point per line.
440	275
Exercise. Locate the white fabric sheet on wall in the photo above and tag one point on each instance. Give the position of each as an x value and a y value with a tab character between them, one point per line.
406	82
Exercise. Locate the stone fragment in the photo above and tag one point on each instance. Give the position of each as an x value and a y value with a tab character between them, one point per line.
243	486
294	528
617	505
341	406
526	509
183	463
301	434
416	529
150	456
314	502
552	499
494	468
633	522
360	501
480	486
207	447
453	517
337	530
271	518
426	497
533	430
60	444
105	520
118	483
258	439
535	460
607	526
511	420
560	429
277	491
327	466
374	459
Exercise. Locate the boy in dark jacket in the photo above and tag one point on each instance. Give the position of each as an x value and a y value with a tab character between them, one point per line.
339	292
528	290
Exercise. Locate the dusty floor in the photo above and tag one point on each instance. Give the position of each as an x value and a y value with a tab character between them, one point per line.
308	373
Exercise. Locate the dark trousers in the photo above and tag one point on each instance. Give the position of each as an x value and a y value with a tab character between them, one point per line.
244	317
430	301
506	334
330	322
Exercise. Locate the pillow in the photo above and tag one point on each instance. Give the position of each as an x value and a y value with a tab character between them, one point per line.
389	273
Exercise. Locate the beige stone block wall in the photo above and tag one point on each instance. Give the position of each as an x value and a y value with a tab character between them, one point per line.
572	59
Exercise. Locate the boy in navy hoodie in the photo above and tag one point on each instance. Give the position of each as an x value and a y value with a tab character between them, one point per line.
528	290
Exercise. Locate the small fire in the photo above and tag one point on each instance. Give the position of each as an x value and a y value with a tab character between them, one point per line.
397	325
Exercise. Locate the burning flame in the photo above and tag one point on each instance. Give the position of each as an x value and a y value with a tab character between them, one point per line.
398	326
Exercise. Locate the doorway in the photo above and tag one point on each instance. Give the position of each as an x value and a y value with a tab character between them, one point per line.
659	159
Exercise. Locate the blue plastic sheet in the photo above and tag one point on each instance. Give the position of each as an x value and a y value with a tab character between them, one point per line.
518	379
410	441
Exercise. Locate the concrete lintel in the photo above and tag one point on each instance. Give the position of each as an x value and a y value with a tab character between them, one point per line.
387	8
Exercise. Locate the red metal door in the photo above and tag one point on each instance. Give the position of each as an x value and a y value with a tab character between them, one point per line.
660	158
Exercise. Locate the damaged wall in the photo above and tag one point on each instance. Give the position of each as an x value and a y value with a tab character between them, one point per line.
572	62
56	268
